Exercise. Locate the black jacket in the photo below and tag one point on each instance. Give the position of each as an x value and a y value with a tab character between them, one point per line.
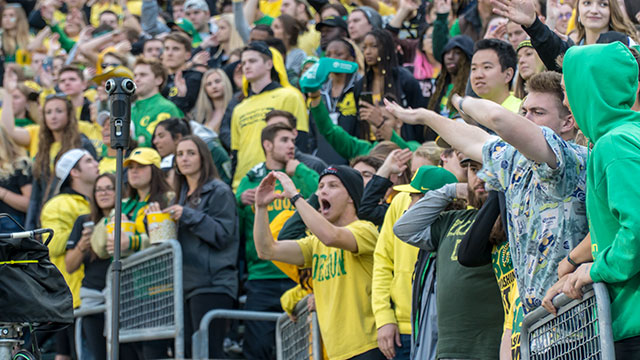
372	207
208	233
548	44
409	94
187	102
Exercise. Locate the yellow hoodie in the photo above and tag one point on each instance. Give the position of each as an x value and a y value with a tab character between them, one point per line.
393	263
59	214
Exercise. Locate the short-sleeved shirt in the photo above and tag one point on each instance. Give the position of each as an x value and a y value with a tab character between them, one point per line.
546	212
342	288
467	298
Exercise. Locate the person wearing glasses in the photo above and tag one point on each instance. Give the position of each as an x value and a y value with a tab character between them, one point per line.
80	254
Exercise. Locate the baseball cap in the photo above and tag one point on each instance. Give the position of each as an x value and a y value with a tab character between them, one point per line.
441	143
187	27
144	156
67	161
196	5
332	21
427	177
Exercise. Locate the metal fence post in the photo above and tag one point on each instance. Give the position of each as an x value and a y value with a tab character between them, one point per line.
151	296
581	329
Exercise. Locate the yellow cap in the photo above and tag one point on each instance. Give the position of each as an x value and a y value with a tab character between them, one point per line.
144	156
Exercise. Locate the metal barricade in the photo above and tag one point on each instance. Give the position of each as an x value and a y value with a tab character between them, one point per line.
151	296
200	339
300	339
78	314
581	329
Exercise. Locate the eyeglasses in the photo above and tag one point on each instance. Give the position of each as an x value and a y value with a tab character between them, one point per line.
104	190
565	16
106	65
58	95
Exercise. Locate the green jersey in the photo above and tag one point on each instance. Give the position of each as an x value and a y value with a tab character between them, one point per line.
147	113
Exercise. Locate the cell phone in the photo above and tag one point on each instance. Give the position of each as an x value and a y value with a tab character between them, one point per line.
367	96
88	224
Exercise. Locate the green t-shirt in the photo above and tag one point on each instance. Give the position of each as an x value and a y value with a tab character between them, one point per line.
147	113
305	180
470	315
265	20
22	122
221	160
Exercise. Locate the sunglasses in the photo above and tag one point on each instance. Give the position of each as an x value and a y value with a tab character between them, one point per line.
58	95
565	16
106	65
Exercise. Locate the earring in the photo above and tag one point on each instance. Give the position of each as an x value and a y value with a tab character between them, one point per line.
379	59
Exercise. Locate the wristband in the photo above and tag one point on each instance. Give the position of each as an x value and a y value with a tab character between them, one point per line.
571	261
295	198
460	107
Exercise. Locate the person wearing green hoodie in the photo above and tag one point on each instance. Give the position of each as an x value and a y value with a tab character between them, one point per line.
604	115
266	282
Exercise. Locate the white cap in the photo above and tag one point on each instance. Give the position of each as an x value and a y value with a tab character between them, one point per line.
67	161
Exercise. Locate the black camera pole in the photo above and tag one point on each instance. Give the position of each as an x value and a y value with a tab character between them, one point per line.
120	90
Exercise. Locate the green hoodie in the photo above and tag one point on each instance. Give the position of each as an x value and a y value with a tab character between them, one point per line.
306	181
601	100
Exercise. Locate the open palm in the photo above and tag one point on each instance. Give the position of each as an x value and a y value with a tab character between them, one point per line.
519	11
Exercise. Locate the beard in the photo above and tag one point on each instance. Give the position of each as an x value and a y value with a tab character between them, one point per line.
475	200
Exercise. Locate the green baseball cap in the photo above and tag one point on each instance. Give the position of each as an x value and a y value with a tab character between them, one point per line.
428	177
187	27
317	74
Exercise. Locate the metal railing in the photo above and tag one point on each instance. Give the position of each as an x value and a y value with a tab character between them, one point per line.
78	314
581	329
300	339
151	296
200	338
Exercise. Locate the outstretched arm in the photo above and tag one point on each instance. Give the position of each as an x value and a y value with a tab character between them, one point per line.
463	137
515	129
268	249
326	232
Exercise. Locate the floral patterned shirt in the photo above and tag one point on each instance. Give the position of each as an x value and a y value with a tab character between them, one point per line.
546	212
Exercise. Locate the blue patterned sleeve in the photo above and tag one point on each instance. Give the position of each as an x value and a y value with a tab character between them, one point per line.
569	174
497	164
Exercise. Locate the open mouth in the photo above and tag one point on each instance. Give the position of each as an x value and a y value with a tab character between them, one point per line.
325	206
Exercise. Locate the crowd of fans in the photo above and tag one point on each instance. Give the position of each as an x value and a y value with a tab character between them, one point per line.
430	171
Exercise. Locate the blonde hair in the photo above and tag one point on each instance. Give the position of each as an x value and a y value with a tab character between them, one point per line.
19	39
12	157
235	40
617	22
430	151
204	105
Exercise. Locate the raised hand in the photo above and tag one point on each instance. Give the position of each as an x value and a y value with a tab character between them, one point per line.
408	116
288	187
395	163
181	84
519	11
265	193
442	6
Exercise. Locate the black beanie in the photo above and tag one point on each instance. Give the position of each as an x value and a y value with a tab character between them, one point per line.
350	178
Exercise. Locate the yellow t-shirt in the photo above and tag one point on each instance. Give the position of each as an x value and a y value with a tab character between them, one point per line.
98	8
342	287
247	123
512	103
271	8
107	165
309	40
90	130
385	10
